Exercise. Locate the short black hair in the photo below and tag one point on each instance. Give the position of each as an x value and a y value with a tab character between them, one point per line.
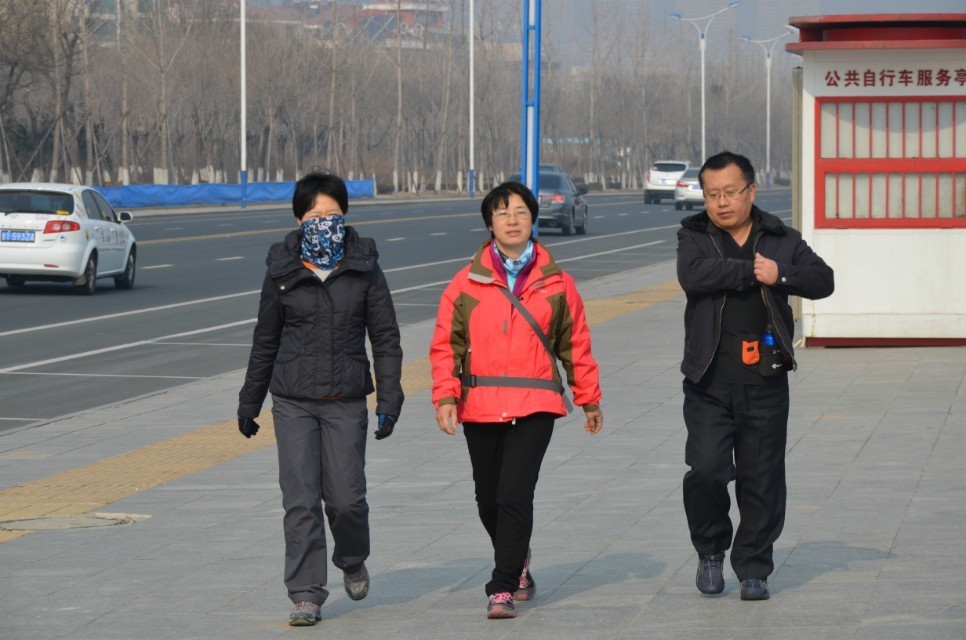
313	184
499	196
724	159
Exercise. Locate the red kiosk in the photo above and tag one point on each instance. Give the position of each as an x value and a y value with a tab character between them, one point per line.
883	176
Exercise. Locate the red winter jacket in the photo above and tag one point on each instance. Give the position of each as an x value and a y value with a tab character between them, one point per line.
480	333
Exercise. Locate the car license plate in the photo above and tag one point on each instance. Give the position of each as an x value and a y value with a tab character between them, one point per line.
8	235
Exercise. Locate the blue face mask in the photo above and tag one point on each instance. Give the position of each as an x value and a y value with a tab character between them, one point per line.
323	241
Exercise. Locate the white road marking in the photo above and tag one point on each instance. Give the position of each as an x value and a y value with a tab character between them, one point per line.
230	258
604	253
119	347
394	239
440	233
71	323
105	375
154	266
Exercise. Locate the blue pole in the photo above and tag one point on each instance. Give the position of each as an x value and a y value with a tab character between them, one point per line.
535	132
525	94
530	116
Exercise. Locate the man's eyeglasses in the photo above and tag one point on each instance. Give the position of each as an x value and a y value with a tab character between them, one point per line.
504	214
729	194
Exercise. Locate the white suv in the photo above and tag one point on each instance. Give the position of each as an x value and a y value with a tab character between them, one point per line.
661	179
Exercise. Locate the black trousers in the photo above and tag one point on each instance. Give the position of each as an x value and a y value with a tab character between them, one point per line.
736	432
506	462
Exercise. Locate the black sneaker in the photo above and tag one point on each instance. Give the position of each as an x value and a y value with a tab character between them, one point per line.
357	584
754	589
710	577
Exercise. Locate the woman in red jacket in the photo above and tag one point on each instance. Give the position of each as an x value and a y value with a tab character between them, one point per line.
503	322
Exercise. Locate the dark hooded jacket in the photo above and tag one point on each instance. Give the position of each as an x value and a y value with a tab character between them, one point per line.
707	276
310	338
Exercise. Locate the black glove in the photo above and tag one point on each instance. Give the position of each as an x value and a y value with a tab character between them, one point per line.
386	424
247	426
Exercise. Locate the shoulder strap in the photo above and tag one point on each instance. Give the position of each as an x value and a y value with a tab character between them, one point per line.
543	340
531	321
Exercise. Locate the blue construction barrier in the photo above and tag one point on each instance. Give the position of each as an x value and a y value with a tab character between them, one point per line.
162	195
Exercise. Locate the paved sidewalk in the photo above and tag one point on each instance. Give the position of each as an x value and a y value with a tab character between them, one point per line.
871	547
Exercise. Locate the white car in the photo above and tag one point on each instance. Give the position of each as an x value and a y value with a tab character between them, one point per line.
688	191
63	233
661	179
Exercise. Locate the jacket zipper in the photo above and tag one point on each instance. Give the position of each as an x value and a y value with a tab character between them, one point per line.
771	311
717	337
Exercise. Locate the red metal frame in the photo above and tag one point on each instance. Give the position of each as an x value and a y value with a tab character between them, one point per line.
879	31
870	166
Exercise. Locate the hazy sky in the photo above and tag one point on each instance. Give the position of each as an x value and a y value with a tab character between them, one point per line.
760	19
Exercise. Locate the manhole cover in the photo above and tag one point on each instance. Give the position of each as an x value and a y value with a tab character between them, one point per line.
85	521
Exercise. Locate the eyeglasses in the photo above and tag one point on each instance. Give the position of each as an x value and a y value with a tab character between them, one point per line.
504	214
730	194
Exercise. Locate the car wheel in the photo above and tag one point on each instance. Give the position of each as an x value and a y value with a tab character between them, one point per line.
126	279
690	207
13	281
678	206
87	284
568	227
582	229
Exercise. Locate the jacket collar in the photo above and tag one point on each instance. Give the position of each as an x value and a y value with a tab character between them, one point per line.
763	220
483	271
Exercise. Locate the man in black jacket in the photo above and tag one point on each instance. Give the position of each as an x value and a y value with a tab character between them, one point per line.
738	265
323	293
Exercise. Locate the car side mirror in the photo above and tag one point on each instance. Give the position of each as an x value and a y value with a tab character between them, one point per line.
581	191
125	216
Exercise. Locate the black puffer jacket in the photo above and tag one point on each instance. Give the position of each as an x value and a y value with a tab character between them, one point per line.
310	338
706	277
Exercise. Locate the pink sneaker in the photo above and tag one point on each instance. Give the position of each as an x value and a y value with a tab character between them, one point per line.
501	606
528	586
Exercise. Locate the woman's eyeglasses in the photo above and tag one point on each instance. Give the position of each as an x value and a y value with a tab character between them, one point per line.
504	214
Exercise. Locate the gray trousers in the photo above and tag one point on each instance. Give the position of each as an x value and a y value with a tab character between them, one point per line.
321	458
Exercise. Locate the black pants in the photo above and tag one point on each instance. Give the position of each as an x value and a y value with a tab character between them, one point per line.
506	461
736	432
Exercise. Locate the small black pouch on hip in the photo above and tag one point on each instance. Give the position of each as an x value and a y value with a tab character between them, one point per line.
771	360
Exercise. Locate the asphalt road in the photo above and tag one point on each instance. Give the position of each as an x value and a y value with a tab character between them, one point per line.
192	309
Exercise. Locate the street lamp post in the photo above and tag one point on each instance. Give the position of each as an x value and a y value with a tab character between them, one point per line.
764	44
244	109
702	41
472	174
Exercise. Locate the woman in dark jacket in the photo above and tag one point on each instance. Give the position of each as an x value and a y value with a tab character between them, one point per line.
322	293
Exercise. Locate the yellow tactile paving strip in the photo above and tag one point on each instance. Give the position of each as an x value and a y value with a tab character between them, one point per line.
106	481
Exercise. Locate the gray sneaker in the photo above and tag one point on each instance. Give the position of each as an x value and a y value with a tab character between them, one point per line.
305	614
357	584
